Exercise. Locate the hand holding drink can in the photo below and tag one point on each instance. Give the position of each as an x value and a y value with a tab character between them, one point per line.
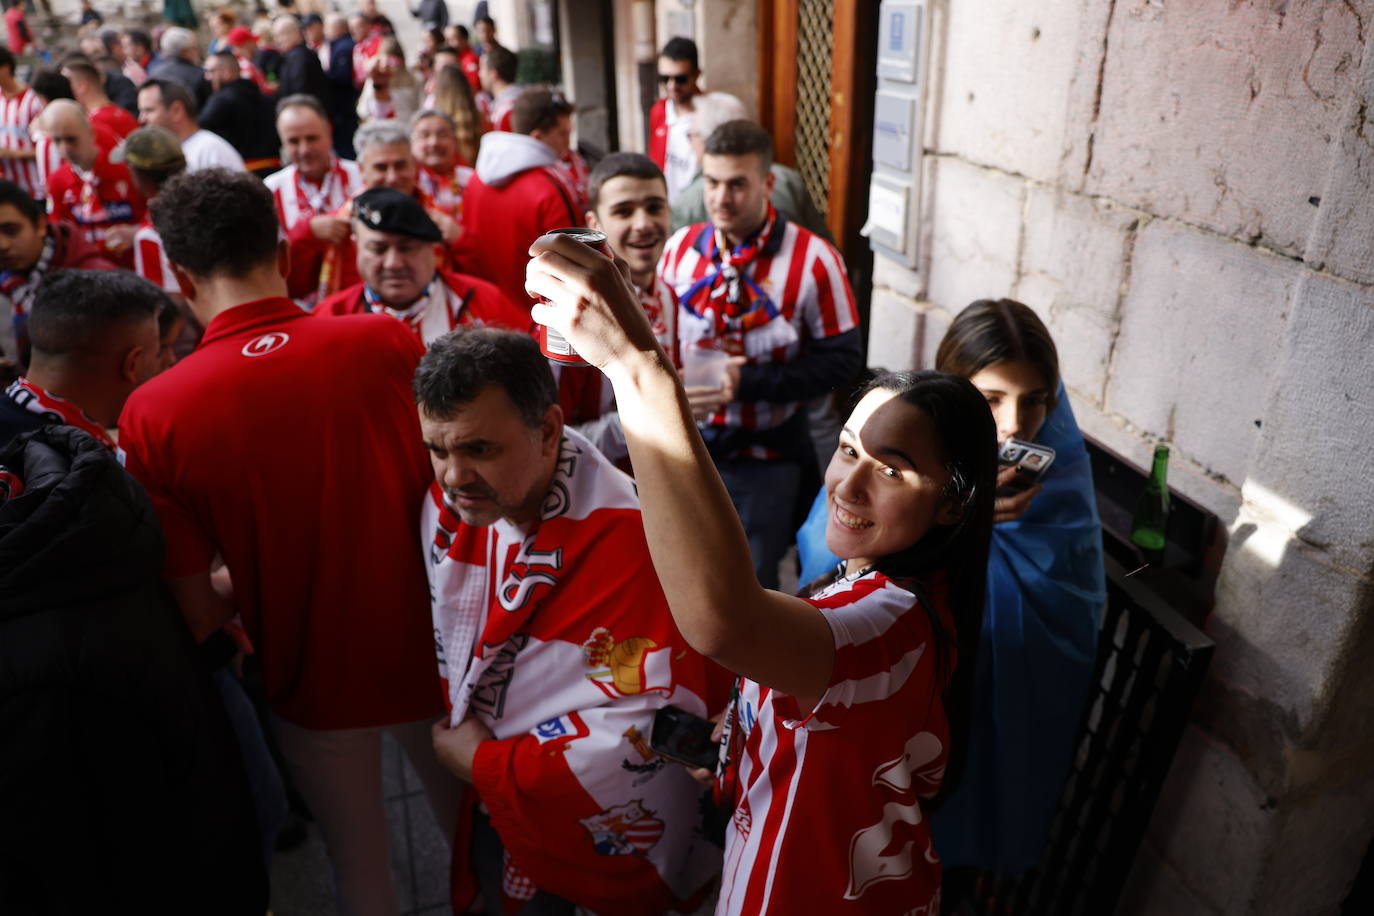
553	344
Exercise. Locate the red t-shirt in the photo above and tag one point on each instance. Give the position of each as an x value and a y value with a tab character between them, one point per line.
828	815
291	448
472	65
114	119
500	224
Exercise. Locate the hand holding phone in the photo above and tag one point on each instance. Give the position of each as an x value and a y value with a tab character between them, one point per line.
1030	459
685	738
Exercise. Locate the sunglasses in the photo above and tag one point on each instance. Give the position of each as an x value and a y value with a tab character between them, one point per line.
681	79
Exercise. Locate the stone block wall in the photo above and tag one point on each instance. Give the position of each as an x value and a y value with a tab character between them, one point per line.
1185	193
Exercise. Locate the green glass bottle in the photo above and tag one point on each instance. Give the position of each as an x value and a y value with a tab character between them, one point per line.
1152	511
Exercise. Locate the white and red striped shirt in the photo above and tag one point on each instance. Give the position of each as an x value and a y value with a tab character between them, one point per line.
445	191
150	259
46	159
851	772
805	278
297	199
16	118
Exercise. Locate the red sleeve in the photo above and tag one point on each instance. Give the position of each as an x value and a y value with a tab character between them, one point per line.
658	132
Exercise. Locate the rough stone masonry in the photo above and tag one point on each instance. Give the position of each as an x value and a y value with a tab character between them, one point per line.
1185	192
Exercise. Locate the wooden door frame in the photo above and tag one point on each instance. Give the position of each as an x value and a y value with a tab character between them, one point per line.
851	104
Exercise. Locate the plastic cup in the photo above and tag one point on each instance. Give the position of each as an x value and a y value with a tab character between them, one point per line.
704	367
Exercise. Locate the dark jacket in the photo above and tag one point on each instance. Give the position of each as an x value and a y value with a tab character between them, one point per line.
342	103
122	91
121	788
241	114
182	71
301	73
433	14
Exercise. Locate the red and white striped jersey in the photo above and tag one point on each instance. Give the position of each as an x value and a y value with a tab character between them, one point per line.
445	191
851	772
46	159
249	71
298	199
803	276
150	259
16	115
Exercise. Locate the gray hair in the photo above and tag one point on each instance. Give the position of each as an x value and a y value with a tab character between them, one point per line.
432	113
712	109
382	132
176	40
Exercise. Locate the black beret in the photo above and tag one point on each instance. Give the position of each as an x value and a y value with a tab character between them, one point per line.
388	210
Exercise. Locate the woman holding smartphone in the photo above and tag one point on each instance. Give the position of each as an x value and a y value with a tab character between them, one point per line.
1045	594
849	707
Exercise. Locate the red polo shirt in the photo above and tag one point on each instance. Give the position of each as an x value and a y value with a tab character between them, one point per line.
291	447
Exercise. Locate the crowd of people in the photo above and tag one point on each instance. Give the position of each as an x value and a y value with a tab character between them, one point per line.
288	462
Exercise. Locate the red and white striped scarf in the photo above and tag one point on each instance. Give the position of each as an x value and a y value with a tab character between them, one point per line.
35	400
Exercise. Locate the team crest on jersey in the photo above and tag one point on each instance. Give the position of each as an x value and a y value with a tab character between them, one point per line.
263	344
624	830
619	668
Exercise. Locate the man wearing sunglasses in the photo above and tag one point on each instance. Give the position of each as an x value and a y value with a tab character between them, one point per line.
670	120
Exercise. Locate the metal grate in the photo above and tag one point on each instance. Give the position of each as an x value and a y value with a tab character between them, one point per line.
815	51
1150	665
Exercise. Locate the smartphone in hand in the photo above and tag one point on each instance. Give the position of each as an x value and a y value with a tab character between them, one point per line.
681	736
1031	461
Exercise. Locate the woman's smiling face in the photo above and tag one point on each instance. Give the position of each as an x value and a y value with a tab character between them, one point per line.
887	484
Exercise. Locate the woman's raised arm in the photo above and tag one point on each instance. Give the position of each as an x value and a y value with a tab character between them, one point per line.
695	537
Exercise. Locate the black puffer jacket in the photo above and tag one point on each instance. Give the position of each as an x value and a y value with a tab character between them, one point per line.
121	788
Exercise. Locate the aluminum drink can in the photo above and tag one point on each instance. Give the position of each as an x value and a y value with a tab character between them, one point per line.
554	345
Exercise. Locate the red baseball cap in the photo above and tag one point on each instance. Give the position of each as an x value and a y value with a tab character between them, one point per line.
241	35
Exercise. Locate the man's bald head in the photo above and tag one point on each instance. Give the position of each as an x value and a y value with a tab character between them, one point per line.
66	123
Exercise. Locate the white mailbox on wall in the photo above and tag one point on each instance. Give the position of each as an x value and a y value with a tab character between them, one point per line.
894	190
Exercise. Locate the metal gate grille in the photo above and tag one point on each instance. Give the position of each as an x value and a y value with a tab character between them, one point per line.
1150	665
815	60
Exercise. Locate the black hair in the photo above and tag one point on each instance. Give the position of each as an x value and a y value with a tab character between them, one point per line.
538	108
302	100
481	19
740	138
992	331
140	37
462	31
7	58
680	48
78	309
503	62
460	364
216	222
967	437
171	91
620	165
21	200
168	314
109	38
51	85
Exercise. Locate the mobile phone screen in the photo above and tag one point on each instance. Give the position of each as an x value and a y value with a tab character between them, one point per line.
681	736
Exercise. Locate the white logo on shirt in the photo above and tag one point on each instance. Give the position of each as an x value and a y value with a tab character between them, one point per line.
873	854
267	343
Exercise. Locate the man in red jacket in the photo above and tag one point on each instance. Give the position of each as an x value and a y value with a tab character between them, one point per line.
520	192
396	262
670	120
